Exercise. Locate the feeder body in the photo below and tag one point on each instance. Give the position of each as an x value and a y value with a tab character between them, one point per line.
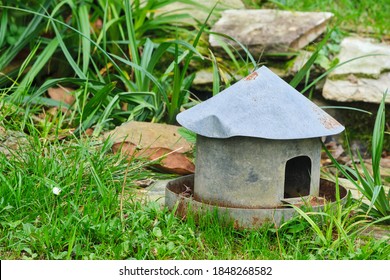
248	172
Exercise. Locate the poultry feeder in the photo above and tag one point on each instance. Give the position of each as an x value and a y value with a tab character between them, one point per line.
258	151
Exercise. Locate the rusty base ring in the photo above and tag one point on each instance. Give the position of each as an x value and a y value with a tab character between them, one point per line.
178	196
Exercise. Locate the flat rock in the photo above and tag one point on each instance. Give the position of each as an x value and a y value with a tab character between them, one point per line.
376	62
204	78
379	232
357	89
363	79
149	135
349	186
155	192
12	141
200	13
270	31
299	61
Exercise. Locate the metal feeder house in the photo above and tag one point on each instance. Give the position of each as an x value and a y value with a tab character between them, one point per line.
258	149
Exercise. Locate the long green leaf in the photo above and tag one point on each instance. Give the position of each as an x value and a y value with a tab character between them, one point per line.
3	27
25	38
41	15
323	75
140	70
67	53
133	44
36	68
216	78
96	101
83	16
245	50
377	141
314	226
346	108
375	194
306	67
105	116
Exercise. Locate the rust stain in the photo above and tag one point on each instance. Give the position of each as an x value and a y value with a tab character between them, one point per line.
236	224
326	121
255	221
329	123
252	76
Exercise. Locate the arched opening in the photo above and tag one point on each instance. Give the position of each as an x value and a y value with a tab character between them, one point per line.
297	177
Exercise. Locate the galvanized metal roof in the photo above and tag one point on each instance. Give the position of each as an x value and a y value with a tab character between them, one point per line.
261	105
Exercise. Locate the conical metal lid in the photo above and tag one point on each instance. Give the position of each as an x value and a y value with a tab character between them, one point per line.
261	105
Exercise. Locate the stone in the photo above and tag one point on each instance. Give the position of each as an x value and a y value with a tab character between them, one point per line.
155	192
354	88
204	78
379	232
292	66
149	135
299	61
363	79
269	31
356	194
11	142
372	66
200	13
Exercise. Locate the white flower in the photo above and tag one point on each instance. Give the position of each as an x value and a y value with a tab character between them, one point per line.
56	190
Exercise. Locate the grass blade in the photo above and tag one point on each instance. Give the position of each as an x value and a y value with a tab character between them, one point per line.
377	141
67	54
3	27
216	78
133	44
36	68
83	15
25	38
314	226
306	67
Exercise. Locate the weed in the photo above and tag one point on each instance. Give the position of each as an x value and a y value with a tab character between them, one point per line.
370	185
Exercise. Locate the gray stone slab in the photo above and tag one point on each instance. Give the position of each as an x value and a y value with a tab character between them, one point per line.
299	61
373	58
353	88
200	13
155	192
204	77
365	78
270	31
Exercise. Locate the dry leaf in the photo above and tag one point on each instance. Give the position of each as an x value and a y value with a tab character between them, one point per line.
62	94
126	148
172	161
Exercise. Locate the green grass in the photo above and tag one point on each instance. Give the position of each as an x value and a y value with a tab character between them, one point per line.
86	219
136	58
359	16
370	184
102	63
